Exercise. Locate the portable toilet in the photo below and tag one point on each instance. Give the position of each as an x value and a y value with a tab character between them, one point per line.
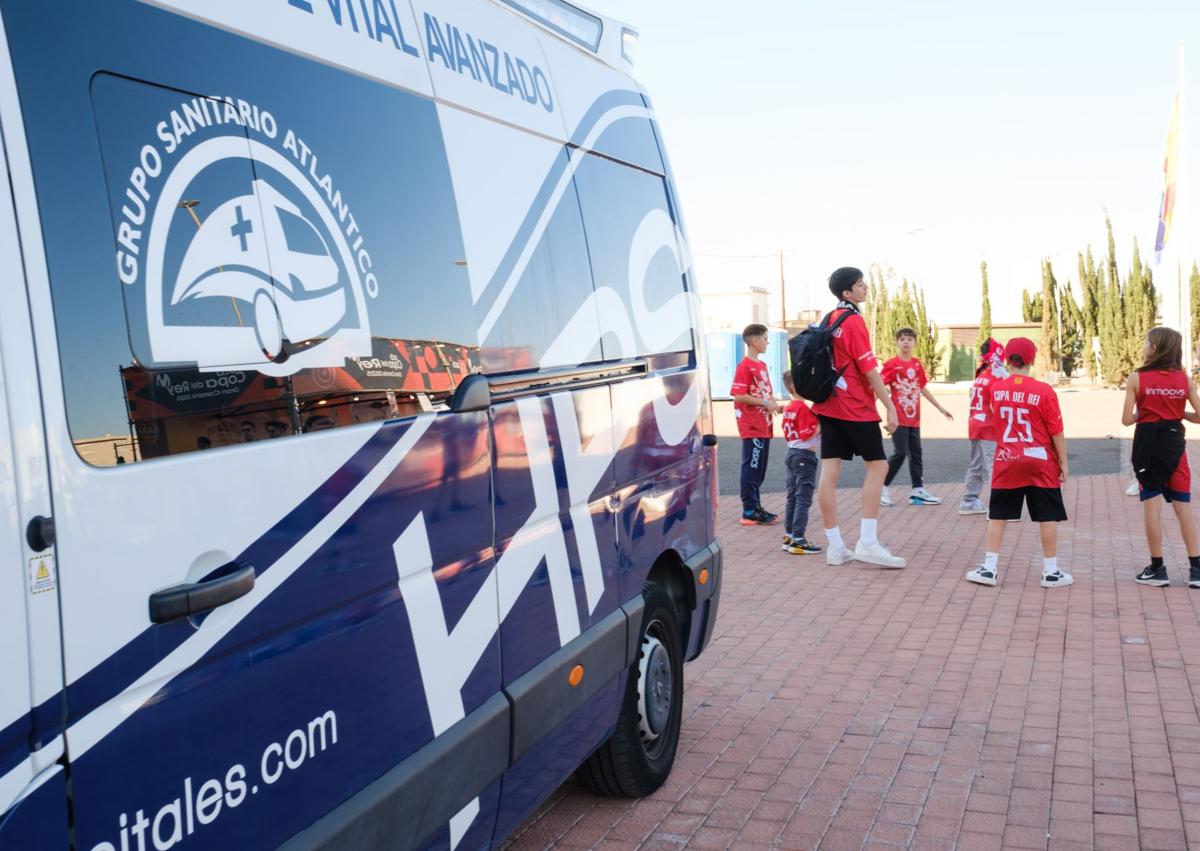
777	360
724	351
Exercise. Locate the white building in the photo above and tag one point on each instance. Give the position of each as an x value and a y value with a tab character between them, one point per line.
733	311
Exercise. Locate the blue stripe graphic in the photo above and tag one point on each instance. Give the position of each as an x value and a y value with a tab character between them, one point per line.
127	665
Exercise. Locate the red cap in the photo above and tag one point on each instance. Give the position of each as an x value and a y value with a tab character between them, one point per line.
1023	347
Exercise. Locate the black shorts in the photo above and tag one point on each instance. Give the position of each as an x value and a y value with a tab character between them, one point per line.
1045	504
846	438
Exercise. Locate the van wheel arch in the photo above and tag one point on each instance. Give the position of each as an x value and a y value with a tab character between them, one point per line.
669	574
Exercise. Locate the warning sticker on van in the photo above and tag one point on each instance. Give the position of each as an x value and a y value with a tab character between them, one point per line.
43	576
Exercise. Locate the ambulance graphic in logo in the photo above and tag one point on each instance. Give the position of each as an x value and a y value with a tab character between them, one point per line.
264	265
289	279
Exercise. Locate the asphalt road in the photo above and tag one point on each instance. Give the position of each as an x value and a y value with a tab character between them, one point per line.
945	461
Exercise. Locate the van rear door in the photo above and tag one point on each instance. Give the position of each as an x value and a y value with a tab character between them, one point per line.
33	798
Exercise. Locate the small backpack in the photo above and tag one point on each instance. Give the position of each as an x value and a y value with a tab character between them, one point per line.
813	372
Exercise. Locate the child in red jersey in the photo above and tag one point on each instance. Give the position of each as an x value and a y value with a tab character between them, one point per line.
981	430
754	405
802	433
905	377
850	426
1030	464
1156	398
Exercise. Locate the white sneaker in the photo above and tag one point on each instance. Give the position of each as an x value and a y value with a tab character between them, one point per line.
1057	579
920	496
1134	488
972	507
835	556
982	576
877	553
885	497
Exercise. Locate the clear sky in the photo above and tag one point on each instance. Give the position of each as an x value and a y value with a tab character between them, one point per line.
926	136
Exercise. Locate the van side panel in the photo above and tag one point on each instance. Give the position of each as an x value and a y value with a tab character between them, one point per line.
372	543
39	820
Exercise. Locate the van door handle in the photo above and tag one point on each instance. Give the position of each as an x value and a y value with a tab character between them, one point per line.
193	598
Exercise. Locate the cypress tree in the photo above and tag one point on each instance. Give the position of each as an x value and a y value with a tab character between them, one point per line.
869	309
879	315
1194	286
1112	328
1031	307
1141	309
927	347
985	317
1089	284
1074	347
1114	274
1051	355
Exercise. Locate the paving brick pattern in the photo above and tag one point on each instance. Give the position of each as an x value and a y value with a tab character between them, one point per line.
854	708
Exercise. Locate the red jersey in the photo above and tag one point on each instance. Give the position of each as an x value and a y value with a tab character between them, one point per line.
1027	416
1161	395
905	378
852	399
799	423
981	422
751	379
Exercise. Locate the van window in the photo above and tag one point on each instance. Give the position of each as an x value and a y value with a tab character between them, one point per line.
621	205
551	298
279	271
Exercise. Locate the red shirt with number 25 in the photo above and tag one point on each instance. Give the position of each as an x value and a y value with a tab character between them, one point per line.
1027	416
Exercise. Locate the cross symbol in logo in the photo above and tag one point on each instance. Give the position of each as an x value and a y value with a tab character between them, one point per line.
241	227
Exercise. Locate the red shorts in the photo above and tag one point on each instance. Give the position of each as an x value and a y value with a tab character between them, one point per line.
1179	486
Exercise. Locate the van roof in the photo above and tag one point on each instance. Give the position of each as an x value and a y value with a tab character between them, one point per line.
594	34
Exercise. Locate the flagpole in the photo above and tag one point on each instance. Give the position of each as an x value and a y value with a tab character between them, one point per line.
1183	259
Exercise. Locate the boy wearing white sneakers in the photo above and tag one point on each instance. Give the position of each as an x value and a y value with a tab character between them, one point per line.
905	377
1030	465
850	425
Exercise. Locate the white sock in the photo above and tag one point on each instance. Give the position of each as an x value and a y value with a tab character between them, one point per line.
867	535
834	537
1049	566
990	560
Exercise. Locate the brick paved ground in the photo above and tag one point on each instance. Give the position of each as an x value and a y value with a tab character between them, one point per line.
848	708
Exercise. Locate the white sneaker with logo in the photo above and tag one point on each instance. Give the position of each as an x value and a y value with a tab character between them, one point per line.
920	496
975	506
885	497
1057	579
836	556
982	576
877	554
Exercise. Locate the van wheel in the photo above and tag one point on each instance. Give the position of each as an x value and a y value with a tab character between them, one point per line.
637	758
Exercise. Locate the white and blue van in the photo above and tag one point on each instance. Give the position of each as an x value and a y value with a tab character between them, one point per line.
356	476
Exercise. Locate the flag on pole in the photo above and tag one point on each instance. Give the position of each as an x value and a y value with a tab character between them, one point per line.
1166	209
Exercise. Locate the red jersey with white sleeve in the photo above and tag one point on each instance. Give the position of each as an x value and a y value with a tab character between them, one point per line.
852	399
981	423
751	379
800	425
1161	395
1027	416
905	379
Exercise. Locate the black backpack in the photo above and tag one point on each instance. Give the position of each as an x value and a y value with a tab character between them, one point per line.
813	372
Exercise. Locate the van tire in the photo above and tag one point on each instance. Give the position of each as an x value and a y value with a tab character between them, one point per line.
637	758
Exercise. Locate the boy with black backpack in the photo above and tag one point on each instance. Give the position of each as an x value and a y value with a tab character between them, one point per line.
833	365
